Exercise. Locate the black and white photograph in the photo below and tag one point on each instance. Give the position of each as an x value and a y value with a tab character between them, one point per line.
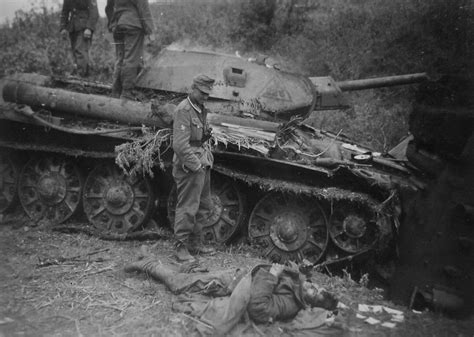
289	168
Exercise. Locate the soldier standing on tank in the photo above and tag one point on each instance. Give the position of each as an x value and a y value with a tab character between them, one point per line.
192	164
129	21
78	18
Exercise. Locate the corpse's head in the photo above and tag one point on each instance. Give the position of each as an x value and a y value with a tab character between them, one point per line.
315	297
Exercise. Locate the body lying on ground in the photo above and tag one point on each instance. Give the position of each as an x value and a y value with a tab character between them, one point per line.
221	299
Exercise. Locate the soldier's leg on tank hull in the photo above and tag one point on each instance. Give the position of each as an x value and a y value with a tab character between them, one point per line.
132	61
81	53
189	187
73	39
119	54
203	214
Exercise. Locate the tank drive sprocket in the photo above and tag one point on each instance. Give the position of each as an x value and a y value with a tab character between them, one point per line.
353	227
50	188
287	226
114	202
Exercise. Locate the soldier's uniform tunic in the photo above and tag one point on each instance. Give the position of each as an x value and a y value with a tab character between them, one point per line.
76	16
129	21
192	162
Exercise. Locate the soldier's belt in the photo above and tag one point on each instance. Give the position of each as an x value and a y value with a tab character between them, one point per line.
195	143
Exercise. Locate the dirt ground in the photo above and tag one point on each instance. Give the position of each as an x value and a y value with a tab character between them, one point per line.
56	284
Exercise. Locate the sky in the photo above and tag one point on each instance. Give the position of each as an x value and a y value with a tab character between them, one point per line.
9	7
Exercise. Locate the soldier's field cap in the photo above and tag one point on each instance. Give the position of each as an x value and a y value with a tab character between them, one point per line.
203	83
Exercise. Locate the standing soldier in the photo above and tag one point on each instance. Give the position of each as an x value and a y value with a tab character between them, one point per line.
129	21
79	17
192	162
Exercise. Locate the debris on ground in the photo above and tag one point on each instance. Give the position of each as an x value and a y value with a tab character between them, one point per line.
94	297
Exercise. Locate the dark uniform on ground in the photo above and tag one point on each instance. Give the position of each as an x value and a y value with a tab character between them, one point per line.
192	162
79	17
129	21
266	293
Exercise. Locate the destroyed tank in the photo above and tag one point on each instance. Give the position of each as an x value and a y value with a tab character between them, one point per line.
297	192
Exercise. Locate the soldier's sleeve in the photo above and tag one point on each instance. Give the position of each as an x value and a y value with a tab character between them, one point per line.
145	16
65	15
93	15
181	136
264	305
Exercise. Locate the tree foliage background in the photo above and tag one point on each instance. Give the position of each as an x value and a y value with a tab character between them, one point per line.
346	39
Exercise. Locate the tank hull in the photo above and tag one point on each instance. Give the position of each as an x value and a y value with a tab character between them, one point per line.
296	192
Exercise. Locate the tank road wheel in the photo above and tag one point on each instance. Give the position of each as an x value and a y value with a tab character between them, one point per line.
8	182
353	227
114	202
289	227
229	210
50	188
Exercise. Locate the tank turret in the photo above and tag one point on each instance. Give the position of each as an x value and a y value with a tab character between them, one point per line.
255	89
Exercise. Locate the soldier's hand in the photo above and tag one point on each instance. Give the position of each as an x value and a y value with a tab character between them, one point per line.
276	269
206	135
151	38
87	33
63	32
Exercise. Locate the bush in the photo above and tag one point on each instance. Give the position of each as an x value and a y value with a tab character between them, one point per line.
32	43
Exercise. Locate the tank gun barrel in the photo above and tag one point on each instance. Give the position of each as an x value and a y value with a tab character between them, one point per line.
379	82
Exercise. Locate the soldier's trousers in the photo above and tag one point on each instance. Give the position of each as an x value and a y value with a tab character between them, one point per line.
129	44
194	202
80	51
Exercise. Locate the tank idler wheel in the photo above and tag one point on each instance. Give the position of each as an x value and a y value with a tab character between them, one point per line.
353	226
289	227
228	211
114	202
50	188
8	182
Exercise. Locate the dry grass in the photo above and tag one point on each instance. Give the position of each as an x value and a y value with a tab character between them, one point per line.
92	296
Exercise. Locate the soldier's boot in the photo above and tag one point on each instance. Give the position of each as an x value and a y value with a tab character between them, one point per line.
84	71
116	89
127	94
75	71
182	253
197	247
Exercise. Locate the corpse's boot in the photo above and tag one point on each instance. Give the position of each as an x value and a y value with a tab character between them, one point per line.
153	268
182	253
145	265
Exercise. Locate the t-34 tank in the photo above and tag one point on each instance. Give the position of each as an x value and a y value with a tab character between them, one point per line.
296	191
